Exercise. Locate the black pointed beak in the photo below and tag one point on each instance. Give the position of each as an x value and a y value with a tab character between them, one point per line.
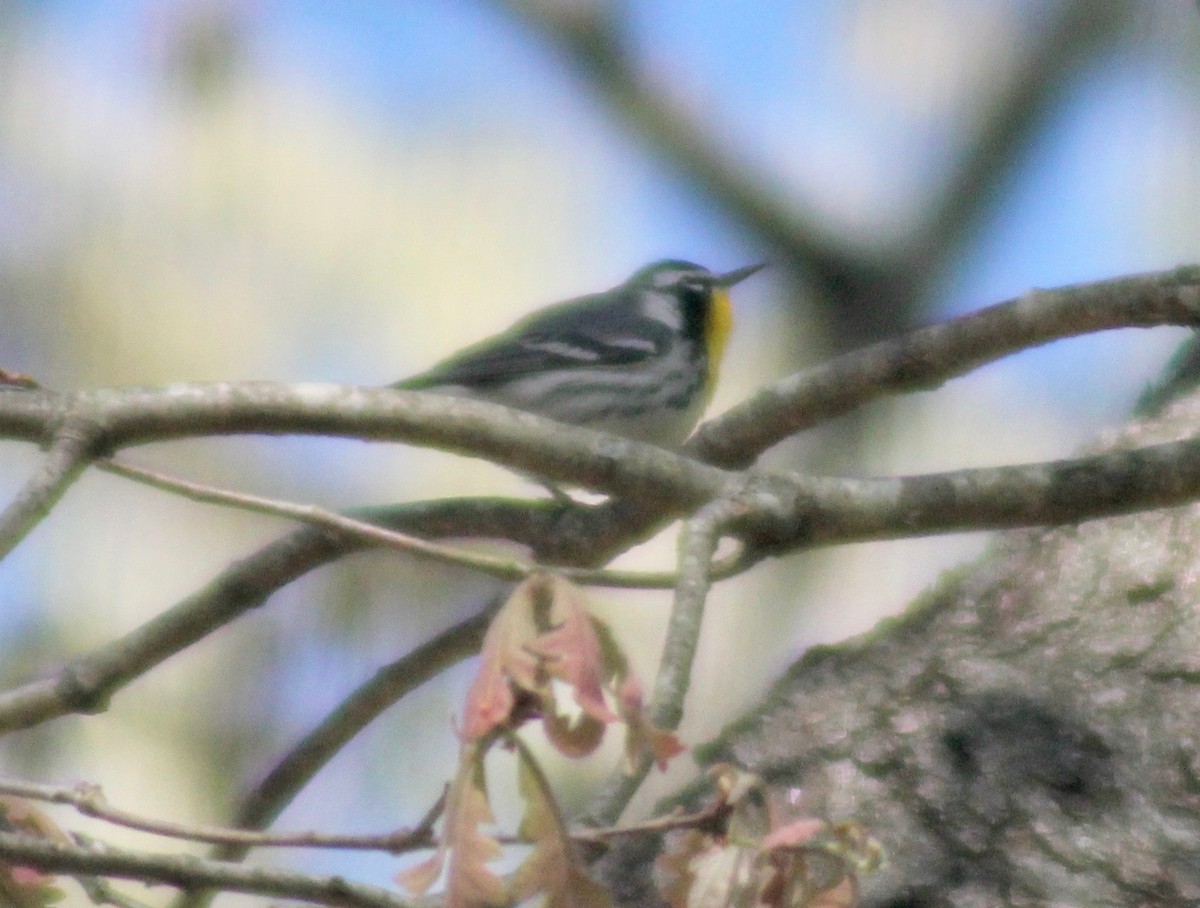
736	277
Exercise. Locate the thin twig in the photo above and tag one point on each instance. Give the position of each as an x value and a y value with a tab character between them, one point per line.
808	512
672	821
513	569
89	800
697	544
388	685
64	461
99	890
184	872
85	684
822	511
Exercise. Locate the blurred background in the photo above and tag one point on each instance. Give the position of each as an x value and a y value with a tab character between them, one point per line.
213	190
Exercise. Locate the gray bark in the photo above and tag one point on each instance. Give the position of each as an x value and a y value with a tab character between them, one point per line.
1025	734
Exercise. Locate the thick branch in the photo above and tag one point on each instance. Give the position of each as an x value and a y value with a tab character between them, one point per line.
928	357
797	512
794	512
1026	732
121	418
591	40
1015	112
819	511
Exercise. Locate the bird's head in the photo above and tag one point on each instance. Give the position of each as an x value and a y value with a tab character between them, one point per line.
694	299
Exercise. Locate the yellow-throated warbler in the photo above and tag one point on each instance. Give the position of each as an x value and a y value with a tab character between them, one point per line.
639	360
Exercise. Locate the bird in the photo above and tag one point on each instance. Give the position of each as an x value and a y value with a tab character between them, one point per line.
639	360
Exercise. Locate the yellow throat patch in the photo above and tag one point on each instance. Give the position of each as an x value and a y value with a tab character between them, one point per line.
720	324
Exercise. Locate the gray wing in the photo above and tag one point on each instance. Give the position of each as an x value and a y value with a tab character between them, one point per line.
592	332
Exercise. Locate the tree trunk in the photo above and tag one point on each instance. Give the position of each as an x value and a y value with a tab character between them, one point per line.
1025	734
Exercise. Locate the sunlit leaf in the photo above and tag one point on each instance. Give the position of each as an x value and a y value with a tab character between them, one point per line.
469	881
418	878
546	633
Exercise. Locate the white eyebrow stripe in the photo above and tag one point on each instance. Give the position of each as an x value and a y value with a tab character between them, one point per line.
664	279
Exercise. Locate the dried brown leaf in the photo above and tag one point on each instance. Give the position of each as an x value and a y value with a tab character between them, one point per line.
418	878
545	632
463	846
571	647
756	860
573	738
20	379
552	867
505	661
469	881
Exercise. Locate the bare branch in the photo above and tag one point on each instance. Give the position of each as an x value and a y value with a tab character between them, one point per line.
522	441
65	460
928	357
592	42
86	683
697	544
89	801
185	872
1014	112
102	892
388	685
919	360
677	820
828	511
810	511
513	569
804	512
